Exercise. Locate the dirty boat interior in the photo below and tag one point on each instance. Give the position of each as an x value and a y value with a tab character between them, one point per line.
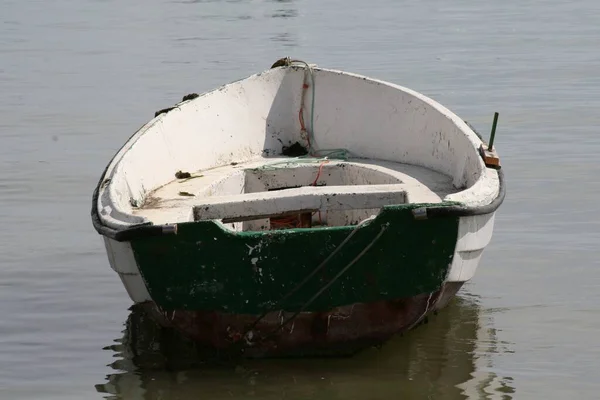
285	193
265	153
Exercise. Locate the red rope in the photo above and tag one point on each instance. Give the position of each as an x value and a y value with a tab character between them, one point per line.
319	173
285	222
301	114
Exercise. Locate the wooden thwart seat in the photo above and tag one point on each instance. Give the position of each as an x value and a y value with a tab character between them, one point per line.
244	192
244	207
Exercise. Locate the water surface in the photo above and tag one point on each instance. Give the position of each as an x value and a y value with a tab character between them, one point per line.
78	77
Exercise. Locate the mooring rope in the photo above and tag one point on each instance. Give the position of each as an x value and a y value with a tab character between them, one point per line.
331	282
313	273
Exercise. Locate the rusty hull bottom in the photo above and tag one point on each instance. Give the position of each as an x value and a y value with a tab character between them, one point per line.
342	331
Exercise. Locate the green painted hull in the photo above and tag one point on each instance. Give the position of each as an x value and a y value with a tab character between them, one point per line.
206	268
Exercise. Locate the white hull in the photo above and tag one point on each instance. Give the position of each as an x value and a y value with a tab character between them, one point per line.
122	261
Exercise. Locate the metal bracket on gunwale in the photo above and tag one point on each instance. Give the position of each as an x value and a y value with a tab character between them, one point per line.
169	229
420	213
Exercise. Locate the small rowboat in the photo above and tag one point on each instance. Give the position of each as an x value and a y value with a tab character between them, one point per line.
299	211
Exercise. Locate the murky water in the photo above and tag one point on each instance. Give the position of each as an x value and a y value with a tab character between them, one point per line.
78	77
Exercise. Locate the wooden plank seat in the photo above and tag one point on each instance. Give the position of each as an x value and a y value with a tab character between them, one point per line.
243	207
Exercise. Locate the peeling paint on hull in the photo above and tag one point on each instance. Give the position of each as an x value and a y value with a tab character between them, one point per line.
219	274
343	331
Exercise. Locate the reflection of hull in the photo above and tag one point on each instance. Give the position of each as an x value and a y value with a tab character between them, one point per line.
342	331
431	362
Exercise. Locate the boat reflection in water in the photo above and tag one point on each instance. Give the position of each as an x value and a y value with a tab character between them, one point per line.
446	358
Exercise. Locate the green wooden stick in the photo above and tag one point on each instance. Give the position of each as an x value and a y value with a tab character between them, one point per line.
493	134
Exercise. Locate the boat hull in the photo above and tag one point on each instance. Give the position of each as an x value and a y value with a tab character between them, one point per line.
340	332
336	330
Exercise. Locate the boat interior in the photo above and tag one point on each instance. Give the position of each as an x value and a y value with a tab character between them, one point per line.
224	155
283	193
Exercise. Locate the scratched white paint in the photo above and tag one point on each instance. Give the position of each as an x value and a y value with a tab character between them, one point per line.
422	151
256	248
474	234
121	259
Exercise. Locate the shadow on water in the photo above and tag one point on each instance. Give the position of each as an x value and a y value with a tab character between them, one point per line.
446	358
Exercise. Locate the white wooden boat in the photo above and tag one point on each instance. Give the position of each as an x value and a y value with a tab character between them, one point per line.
298	211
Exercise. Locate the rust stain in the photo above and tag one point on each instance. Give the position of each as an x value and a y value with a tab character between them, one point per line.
340	331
